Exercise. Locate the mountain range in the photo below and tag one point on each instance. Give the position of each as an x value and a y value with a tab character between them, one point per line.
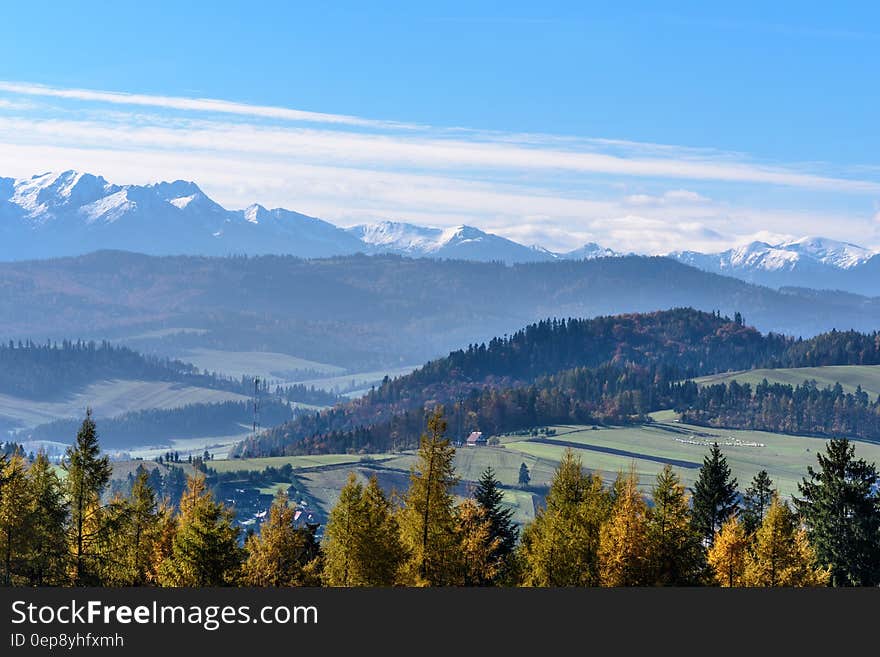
73	213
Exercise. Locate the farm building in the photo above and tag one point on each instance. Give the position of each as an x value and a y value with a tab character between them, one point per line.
476	439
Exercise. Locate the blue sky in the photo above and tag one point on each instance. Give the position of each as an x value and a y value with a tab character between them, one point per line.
645	126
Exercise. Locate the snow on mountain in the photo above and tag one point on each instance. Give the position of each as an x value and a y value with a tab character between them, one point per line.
69	213
589	251
458	242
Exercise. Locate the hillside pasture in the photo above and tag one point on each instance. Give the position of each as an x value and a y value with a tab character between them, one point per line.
849	376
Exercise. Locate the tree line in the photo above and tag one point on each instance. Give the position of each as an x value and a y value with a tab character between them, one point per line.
590	532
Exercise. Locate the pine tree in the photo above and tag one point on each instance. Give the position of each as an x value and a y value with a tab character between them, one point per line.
15	526
204	551
489	496
623	543
782	554
87	476
674	552
561	546
714	495
427	519
362	540
524	476
47	514
727	556
840	506
756	501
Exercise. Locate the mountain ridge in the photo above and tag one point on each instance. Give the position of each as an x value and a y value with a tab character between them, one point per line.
73	213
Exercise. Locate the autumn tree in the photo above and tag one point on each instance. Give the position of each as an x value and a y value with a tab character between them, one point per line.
727	556
427	519
674	553
362	544
756	501
714	495
478	562
782	554
623	543
204	551
46	514
15	527
560	547
140	529
88	474
840	506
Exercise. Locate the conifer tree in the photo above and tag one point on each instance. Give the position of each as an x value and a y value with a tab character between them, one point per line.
88	474
714	495
427	519
489	496
561	546
524	476
47	514
362	539
674	552
756	501
477	547
140	531
727	556
782	554
204	551
15	526
623	544
840	506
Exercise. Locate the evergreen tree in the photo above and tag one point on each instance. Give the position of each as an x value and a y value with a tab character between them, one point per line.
561	546
623	543
204	551
47	514
524	476
489	496
427	519
675	556
15	526
782	554
840	507
362	544
756	501
727	556
714	495
282	554
88	474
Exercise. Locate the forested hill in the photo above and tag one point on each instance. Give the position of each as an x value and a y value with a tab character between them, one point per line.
368	313
608	369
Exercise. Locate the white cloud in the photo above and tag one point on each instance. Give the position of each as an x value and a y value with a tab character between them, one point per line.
554	190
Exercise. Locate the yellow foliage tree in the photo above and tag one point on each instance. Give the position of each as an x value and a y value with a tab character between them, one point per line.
727	556
782	555
623	540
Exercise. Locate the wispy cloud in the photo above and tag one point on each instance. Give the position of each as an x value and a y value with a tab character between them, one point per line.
554	189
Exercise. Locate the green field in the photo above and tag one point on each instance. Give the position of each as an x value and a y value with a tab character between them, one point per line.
649	447
849	376
111	398
298	462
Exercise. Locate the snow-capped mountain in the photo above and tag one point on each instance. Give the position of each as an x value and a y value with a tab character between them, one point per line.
71	213
810	261
458	242
589	251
